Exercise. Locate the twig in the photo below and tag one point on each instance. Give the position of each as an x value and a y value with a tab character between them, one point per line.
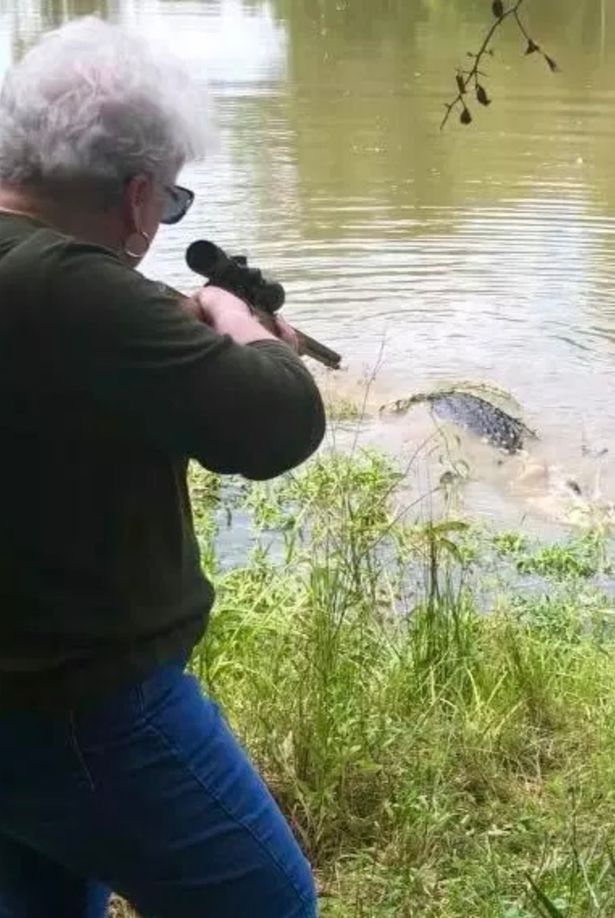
465	78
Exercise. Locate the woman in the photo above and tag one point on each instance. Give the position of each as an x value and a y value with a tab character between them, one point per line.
115	772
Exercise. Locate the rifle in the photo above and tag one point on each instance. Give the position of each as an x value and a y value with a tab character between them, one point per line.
264	297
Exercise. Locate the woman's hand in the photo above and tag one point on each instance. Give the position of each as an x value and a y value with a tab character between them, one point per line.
217	307
227	314
286	333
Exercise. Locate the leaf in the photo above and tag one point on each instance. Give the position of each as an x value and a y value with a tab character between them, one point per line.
497	8
465	117
482	96
552	64
531	46
461	86
551	910
451	548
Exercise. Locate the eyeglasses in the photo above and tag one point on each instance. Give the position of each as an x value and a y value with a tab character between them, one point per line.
176	203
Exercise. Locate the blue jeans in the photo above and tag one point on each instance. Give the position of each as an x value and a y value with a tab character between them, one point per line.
150	795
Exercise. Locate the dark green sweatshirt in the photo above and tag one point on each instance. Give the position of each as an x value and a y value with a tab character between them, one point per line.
106	390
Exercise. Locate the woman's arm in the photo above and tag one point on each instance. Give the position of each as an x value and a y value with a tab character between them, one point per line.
228	394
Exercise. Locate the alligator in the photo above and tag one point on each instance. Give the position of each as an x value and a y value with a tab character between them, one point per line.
504	431
477	415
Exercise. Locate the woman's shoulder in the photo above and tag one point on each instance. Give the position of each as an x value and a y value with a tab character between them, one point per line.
60	250
35	248
46	270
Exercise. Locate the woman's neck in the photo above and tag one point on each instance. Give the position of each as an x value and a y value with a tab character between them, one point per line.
100	227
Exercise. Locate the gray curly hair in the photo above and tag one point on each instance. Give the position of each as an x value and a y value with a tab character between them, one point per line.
95	102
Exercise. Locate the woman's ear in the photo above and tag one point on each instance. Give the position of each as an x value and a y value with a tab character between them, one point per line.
138	228
136	193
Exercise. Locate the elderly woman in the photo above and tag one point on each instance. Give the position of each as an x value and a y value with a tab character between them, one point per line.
115	772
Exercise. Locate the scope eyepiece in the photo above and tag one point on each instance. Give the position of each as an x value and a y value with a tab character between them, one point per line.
233	274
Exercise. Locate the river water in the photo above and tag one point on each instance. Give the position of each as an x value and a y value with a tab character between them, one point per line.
425	256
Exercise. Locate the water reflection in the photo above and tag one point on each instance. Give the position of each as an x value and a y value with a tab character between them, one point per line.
29	19
233	45
367	87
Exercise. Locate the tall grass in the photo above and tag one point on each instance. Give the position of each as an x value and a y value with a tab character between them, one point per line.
433	757
439	750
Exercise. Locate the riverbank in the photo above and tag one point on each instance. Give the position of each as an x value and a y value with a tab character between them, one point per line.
432	704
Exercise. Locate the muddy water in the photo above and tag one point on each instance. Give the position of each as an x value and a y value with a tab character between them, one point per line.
484	253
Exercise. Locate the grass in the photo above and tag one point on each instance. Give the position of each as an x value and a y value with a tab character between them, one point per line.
432	706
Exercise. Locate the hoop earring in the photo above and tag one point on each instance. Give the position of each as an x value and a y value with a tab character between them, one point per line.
142	241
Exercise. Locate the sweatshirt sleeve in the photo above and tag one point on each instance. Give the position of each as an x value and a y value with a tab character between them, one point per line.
124	341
